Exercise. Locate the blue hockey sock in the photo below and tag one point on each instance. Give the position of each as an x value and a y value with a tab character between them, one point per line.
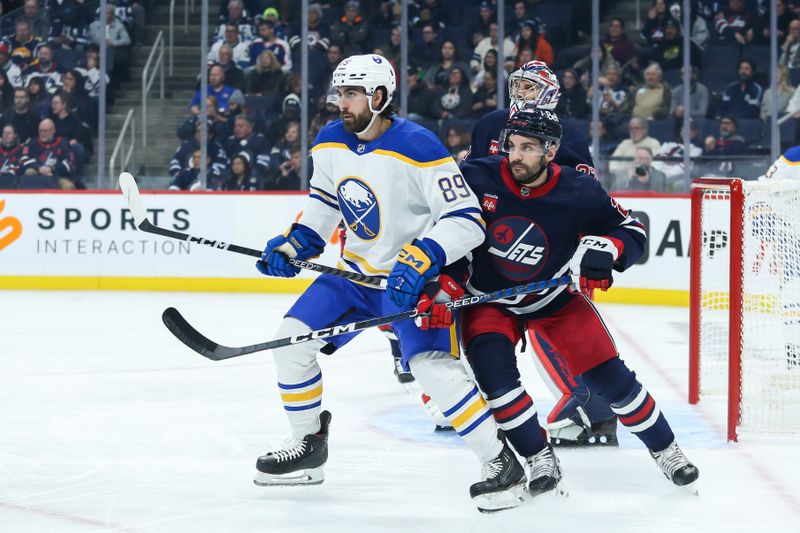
636	409
494	364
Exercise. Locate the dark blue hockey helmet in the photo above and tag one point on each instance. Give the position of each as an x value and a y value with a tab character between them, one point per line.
540	124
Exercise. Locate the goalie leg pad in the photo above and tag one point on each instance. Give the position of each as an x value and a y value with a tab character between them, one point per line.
637	410
446	381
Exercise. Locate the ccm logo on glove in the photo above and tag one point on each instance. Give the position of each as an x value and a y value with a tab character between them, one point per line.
593	262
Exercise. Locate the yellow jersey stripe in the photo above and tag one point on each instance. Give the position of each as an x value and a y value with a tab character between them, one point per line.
363	262
476	406
322	146
793	163
388	153
406	159
454	351
302	396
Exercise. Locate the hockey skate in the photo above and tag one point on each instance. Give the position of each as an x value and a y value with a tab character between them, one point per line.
676	467
403	376
545	473
567	433
502	485
300	463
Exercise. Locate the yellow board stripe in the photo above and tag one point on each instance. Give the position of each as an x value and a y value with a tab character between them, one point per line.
301	396
476	406
624	295
118	283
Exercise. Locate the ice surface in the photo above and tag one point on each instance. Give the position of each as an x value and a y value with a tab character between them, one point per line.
107	423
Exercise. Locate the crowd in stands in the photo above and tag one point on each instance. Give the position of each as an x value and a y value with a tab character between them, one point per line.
50	82
50	49
452	80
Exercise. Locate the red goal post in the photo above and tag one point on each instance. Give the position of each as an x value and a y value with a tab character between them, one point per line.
744	318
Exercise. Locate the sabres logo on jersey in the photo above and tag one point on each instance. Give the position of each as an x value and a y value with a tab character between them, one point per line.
518	246
359	206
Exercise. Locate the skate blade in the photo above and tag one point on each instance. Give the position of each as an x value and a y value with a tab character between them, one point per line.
692	488
500	501
561	491
311	476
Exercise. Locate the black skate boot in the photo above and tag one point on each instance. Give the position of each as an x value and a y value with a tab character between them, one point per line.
300	463
675	466
403	376
545	472
503	483
570	434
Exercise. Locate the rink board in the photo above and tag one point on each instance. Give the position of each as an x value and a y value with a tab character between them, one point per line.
86	240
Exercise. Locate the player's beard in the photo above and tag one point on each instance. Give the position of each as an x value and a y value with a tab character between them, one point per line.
523	173
356	123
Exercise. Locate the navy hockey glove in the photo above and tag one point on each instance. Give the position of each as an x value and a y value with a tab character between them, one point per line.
300	242
416	264
591	266
431	309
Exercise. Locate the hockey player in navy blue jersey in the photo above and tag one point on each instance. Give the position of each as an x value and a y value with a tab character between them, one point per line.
408	213
579	418
544	221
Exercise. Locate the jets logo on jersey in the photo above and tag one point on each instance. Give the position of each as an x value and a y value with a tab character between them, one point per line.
519	247
359	207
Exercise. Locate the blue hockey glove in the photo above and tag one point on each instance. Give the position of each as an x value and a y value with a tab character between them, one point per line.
416	264
300	242
592	265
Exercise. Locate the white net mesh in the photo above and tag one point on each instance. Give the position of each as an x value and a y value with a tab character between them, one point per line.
770	384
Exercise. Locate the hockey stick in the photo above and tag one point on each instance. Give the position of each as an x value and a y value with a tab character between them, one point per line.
131	193
217	352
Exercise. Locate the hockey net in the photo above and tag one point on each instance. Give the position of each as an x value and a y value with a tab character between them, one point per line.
745	302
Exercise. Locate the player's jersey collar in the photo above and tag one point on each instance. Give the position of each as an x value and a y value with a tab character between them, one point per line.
526	193
360	147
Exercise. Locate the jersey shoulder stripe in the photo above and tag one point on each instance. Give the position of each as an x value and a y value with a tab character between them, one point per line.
792	155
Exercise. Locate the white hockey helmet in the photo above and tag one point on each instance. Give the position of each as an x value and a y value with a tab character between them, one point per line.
369	71
533	86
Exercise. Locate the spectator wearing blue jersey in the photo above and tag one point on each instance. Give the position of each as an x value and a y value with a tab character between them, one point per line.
742	99
268	40
216	88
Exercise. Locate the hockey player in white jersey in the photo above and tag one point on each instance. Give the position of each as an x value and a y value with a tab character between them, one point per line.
786	166
408	213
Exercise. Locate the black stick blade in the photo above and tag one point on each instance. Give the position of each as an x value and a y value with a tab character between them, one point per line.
185	332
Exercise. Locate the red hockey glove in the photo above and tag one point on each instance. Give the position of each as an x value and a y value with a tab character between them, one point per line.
592	265
431	311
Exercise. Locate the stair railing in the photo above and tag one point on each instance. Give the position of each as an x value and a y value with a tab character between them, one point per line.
128	125
172	29
149	77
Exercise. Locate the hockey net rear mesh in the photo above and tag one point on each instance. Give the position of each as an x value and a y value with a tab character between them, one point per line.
769	380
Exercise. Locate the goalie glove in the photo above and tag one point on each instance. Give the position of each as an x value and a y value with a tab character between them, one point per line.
431	313
592	264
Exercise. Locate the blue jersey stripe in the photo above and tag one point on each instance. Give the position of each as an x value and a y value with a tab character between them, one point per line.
301	385
324	201
304	407
461	403
471	219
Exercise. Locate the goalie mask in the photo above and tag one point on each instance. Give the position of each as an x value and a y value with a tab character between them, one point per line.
533	86
369	71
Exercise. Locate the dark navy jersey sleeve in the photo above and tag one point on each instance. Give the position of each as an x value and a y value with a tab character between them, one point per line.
607	218
574	151
486	133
